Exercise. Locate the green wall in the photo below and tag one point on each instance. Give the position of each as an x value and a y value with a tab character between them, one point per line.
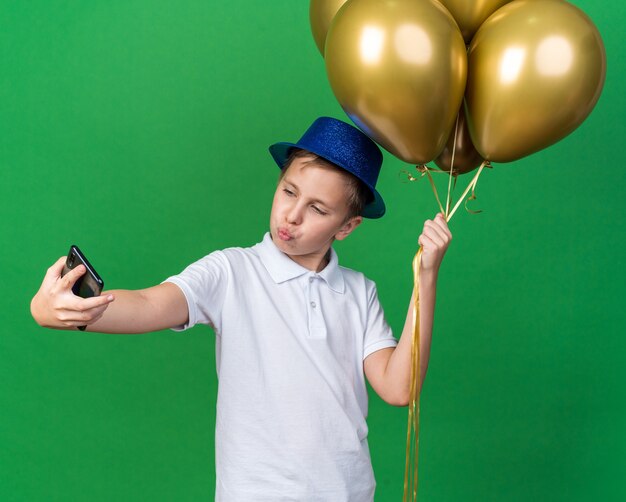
139	130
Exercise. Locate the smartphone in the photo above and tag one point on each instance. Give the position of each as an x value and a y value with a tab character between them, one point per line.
90	283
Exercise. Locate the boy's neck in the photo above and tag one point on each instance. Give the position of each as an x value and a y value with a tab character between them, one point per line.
314	263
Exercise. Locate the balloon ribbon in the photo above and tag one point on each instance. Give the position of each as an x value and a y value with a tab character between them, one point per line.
412	435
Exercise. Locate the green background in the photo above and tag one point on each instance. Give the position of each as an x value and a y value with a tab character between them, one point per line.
139	131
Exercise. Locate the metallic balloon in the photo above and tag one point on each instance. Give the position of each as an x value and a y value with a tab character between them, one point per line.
466	158
321	14
470	14
398	69
536	70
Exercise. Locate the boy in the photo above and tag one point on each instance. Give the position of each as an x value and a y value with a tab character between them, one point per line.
296	334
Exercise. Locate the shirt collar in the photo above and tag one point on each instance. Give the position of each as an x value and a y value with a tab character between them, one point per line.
282	268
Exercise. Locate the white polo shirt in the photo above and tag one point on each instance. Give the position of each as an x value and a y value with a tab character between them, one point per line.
292	399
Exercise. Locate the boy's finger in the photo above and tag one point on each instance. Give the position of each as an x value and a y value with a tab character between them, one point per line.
72	316
96	313
85	304
443	224
424	241
432	234
54	271
87	316
436	230
439	226
68	280
440	218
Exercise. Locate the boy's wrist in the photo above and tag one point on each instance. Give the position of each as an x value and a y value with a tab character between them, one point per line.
34	310
428	276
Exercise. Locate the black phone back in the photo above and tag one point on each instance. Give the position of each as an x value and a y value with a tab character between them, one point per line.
88	285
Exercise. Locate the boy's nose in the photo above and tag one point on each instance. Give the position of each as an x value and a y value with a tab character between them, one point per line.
294	215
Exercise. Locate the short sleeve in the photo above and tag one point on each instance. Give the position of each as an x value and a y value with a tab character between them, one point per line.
204	284
378	334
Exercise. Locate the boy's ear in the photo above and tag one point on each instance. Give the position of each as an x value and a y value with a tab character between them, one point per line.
348	227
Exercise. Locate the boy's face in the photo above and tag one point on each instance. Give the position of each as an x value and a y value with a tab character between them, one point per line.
309	211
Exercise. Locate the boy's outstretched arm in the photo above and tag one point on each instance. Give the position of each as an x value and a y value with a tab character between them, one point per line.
116	311
389	370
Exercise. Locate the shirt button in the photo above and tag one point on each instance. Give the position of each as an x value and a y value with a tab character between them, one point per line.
310	279
313	304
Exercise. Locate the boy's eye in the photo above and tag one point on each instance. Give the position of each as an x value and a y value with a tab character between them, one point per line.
318	210
287	191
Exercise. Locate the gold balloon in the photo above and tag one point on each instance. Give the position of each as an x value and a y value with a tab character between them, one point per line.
536	70
398	69
321	14
470	14
466	158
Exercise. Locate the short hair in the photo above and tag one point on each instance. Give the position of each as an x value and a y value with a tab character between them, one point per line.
358	194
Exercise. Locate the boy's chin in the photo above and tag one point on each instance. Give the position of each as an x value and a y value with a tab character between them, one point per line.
278	242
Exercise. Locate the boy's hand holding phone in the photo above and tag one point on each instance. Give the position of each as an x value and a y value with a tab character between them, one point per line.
56	306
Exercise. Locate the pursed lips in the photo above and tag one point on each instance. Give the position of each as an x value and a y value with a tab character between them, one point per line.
284	234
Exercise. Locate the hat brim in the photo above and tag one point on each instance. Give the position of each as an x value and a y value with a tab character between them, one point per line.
373	209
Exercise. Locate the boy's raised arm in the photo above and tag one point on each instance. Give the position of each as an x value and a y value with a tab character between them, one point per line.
389	370
116	311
